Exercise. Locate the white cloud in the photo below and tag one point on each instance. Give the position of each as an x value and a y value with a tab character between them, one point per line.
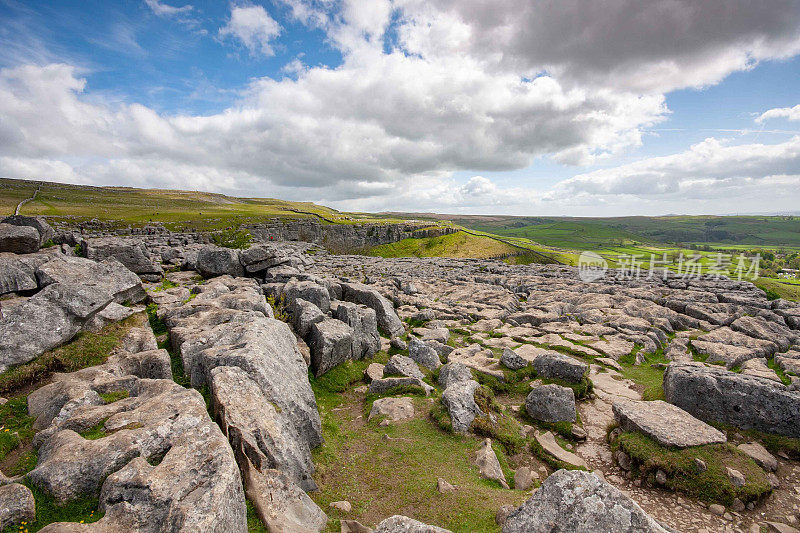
252	25
791	113
164	10
464	86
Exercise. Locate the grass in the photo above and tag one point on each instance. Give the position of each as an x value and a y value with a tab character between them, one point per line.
774	443
648	377
111	397
86	349
776	289
17	457
711	485
254	523
96	432
232	238
49	511
459	244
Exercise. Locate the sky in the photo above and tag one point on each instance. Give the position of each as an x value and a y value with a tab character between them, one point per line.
520	107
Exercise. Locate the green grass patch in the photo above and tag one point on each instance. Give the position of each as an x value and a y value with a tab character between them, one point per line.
111	397
96	432
165	284
650	378
254	523
84	350
711	485
232	238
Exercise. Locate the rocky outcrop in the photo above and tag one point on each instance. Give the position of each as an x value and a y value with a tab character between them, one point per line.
666	424
41	226
131	252
75	291
551	403
459	400
386	316
554	365
213	261
718	395
331	343
579	502
18	239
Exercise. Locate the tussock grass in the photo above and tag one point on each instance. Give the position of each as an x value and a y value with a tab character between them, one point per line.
459	244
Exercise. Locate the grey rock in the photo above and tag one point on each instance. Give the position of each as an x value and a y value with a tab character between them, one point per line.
551	403
398	344
667	424
373	371
403	524
309	291
215	261
524	478
760	455
580	502
400	365
384	385
554	365
255	428
423	354
18	272
717	395
459	400
304	315
488	464
40	224
280	504
16	505
353	526
736	477
510	359
130	252
18	239
393	409
331	343
452	372
387	318
366	339
549	444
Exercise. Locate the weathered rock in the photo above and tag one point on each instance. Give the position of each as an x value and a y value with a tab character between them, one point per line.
89	278
554	365
215	261
366	339
309	291
16	505
551	403
384	385
18	272
488	464
18	239
387	318
280	504
524	478
400	365
444	487
452	372
130	252
40	224
717	395
459	400
394	409
256	430
548	442
423	354
331	343
342	505
760	455
667	424
579	502
194	485
353	526
304	315
403	524
510	359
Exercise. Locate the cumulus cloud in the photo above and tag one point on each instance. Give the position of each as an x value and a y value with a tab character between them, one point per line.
253	27
791	113
424	89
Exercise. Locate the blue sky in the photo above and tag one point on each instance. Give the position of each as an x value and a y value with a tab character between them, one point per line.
535	108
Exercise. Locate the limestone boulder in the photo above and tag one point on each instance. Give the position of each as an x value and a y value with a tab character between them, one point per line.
18	239
666	424
215	261
551	403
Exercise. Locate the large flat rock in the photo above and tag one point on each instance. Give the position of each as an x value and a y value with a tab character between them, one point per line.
665	423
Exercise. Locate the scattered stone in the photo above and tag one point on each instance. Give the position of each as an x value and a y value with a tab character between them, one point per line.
700	465
661	477
551	403
760	455
488	465
524	478
666	424
503	513
353	526
511	360
547	441
555	365
459	400
17	505
400	365
398	344
423	354
384	385
395	409
373	371
444	487
716	509
580	502
343	506
453	372
736	477
623	460
403	524
782	528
